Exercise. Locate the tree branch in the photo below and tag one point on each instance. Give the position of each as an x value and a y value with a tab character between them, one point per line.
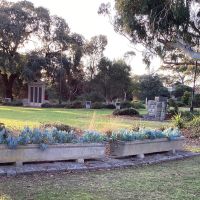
179	44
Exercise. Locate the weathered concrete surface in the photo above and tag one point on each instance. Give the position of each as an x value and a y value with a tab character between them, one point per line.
93	165
58	152
122	149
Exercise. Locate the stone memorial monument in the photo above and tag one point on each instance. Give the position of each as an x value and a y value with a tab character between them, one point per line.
36	93
157	108
88	104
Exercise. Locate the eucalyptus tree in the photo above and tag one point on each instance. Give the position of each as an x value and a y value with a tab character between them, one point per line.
63	52
159	25
19	23
94	53
113	79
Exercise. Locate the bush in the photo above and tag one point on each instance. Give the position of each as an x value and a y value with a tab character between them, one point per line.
58	126
2	126
92	96
45	137
178	121
172	103
126	104
186	97
93	137
180	89
194	128
138	105
109	106
48	105
180	104
126	111
13	103
74	104
188	116
142	134
133	104
58	105
197	100
97	105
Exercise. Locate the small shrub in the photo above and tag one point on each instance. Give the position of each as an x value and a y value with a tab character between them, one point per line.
152	134
2	126
12	142
133	104
126	104
197	100
138	105
186	97
97	105
109	106
25	136
174	105
129	135
58	105
3	136
46	105
64	136
93	137
13	103
126	111
58	126
172	133
188	116
194	128
92	96
180	104
74	104
178	121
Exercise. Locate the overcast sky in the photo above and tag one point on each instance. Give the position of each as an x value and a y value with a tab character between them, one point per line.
82	17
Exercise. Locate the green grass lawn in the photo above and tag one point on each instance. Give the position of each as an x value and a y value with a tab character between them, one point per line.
178	180
100	119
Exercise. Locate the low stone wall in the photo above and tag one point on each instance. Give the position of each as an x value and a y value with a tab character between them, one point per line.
58	152
122	149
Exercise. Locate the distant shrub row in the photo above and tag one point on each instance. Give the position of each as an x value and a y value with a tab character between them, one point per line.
96	105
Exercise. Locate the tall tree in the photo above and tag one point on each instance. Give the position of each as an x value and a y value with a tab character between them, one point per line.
113	79
19	22
160	25
148	86
94	52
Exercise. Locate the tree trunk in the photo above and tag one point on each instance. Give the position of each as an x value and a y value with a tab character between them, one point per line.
193	89
8	84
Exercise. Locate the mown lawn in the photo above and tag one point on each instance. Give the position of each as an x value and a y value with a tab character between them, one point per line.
100	119
178	180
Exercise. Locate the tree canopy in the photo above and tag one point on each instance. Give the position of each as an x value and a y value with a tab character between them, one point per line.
158	24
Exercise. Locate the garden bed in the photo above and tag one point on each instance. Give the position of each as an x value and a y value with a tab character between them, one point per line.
130	148
57	152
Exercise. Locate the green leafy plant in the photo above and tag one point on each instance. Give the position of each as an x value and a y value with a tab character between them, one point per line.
58	126
97	105
142	134
64	136
93	136
2	126
178	121
194	128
